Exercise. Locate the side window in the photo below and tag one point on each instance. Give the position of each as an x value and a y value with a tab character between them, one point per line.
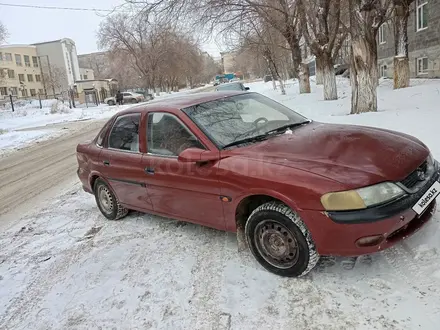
168	136
126	94
125	133
100	139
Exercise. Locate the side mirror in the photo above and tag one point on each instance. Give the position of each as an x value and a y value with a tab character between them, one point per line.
247	88
196	155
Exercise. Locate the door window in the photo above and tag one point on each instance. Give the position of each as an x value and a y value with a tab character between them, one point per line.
125	133
168	136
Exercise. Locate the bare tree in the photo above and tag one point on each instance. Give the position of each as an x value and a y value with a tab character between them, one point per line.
366	16
218	16
3	33
324	34
54	79
401	60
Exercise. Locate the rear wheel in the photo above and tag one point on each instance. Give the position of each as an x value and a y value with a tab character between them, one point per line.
111	102
280	241
107	202
134	101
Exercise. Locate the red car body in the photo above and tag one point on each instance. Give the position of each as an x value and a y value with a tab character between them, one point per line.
295	169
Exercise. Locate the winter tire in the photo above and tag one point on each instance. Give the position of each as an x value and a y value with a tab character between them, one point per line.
110	103
107	202
280	241
134	101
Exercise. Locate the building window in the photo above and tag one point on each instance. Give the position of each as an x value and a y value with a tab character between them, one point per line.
30	78
35	61
422	14
8	57
383	71
14	90
27	61
382	34
1	58
81	76
422	65
41	91
3	91
85	77
37	78
33	92
11	74
21	78
18	60
24	92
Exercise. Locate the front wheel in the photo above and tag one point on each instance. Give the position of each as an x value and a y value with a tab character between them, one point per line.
134	101
107	202
280	241
110	103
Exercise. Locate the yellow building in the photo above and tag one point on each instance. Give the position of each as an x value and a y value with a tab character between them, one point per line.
20	72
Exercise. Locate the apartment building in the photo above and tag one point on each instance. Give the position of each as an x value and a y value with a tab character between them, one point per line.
20	72
59	59
423	42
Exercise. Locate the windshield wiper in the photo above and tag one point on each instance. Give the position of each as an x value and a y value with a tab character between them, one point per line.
285	127
249	139
264	136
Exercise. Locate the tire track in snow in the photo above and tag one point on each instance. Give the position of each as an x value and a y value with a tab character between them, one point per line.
406	268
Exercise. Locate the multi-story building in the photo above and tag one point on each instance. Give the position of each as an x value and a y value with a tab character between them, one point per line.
59	62
228	61
423	42
20	72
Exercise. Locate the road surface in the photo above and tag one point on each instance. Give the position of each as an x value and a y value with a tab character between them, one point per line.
37	173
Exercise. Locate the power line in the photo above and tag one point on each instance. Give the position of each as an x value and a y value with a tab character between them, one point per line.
55	8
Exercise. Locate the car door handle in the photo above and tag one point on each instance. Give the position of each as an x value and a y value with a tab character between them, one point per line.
106	163
149	170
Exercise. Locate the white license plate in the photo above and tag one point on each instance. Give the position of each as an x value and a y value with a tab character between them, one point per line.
427	198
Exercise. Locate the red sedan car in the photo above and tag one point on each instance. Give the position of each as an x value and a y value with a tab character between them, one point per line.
241	162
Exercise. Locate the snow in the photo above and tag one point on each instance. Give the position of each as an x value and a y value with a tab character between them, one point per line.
66	267
28	115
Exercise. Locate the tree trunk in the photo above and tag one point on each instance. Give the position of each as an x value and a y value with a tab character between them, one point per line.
401	61
304	78
319	71
283	90
301	70
363	75
329	77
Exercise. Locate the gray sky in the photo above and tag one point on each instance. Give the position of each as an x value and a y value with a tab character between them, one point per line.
31	25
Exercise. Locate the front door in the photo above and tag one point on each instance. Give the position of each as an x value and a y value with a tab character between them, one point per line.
187	191
122	166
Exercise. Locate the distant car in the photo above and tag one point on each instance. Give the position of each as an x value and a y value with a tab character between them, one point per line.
129	97
292	188
267	78
233	86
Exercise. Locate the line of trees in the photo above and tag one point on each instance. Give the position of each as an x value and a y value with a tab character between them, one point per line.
263	32
153	53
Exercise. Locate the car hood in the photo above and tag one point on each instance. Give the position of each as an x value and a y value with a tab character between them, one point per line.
353	155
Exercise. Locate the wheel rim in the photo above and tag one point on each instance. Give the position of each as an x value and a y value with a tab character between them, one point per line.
276	244
105	199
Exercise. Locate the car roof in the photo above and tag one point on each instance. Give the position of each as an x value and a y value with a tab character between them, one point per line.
174	103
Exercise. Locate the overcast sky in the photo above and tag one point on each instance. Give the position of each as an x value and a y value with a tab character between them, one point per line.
31	25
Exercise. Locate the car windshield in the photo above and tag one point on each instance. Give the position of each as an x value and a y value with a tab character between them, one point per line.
229	87
231	119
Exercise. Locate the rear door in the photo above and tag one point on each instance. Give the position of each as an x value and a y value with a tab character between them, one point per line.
122	163
187	191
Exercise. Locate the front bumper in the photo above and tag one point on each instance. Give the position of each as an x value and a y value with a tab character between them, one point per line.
338	233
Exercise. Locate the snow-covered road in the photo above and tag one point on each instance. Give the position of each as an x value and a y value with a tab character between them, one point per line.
68	268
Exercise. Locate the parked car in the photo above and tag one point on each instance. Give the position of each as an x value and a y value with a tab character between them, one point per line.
233	86
129	97
267	78
294	188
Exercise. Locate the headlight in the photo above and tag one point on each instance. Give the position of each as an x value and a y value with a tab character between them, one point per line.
361	198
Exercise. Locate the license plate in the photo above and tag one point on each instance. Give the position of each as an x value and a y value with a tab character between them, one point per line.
427	198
